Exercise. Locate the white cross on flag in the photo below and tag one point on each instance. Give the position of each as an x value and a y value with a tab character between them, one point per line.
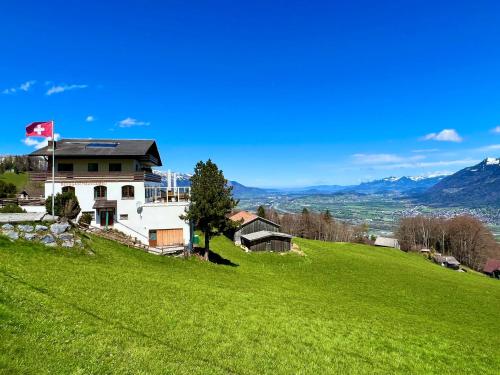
39	129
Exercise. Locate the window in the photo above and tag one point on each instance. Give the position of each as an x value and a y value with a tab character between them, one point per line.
91	213
65	167
100	192
93	167
152	235
68	189
123	216
127	192
115	167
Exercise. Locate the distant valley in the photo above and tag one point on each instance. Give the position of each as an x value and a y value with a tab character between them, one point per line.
380	203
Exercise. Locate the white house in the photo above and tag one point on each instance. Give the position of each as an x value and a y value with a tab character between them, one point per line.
114	182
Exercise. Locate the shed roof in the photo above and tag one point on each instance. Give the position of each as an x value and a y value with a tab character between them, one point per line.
451	260
103	147
248	217
491	265
264	234
386	242
104	203
243	215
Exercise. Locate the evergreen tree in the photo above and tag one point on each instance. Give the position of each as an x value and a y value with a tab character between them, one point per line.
327	216
261	212
211	201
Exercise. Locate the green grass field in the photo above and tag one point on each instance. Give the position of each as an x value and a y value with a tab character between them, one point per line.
341	308
19	180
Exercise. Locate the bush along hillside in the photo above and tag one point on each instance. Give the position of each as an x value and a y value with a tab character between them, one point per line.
338	308
464	237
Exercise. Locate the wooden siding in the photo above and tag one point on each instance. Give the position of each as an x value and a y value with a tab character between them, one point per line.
268	244
169	237
255	226
94	176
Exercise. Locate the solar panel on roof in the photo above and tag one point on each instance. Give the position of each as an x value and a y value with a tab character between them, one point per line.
102	145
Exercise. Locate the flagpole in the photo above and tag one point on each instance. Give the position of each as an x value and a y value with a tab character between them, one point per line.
53	170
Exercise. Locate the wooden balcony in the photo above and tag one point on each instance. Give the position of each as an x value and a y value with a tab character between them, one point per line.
94	176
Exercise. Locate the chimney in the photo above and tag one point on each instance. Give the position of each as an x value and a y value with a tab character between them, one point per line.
52	144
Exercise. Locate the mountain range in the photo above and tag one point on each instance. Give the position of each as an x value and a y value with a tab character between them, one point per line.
474	186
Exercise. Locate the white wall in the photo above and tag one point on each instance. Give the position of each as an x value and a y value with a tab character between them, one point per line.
138	224
34	209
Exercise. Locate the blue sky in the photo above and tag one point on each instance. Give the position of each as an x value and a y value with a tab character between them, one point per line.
277	93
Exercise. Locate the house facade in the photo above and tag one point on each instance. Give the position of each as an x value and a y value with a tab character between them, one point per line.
114	183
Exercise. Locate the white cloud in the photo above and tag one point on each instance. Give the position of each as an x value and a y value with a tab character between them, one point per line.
31	142
370	159
130	122
489	148
496	130
445	135
56	89
26	86
90	118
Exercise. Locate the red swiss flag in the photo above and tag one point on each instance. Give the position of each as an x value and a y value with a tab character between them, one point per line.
39	129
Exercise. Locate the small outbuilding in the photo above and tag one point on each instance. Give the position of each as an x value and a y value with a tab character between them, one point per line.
447	261
267	241
492	268
387	242
251	223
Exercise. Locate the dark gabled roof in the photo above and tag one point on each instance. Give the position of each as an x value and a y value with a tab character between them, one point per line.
264	234
104	147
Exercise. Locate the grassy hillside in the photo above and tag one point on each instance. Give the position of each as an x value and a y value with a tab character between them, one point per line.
341	308
19	180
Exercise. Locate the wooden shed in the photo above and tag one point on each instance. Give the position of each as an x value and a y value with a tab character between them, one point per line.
267	241
251	223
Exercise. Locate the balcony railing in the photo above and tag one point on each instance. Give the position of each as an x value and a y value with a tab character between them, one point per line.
90	176
167	194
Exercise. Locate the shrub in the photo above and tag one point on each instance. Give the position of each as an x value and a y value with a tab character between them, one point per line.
11	208
65	205
85	219
7	189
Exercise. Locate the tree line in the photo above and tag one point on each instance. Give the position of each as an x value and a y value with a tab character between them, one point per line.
464	237
22	163
316	226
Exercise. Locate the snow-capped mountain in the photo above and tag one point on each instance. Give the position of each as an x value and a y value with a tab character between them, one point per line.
474	186
183	179
405	184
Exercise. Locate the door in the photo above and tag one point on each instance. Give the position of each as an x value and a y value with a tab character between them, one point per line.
107	216
170	237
